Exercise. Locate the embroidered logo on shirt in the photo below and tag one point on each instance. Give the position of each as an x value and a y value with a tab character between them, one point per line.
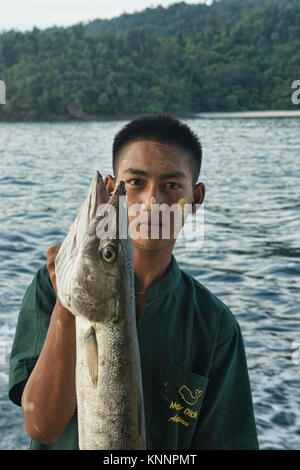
185	415
188	396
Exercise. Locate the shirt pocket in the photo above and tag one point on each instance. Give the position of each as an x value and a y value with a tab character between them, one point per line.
176	409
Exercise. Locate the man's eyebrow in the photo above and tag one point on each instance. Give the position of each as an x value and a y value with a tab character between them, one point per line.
175	174
135	171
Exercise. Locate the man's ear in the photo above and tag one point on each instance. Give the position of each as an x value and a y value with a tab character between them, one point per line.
199	195
110	183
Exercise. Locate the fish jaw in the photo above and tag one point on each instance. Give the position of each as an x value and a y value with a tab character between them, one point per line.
89	284
83	225
68	256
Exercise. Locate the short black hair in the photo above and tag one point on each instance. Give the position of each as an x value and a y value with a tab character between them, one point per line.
163	128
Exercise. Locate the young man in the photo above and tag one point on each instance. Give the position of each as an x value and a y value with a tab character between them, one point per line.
195	379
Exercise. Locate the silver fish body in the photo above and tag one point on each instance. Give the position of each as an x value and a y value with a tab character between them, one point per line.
95	282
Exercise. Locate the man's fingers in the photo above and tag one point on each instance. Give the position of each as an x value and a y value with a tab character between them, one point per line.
52	251
51	255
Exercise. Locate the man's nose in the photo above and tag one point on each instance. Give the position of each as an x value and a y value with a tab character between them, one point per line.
152	197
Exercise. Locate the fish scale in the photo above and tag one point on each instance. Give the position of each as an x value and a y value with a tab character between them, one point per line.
95	282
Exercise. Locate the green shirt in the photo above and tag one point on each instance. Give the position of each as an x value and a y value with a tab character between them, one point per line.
195	379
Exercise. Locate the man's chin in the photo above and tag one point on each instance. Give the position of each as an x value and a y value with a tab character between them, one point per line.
148	244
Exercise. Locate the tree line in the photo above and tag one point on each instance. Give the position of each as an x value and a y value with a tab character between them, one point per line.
230	56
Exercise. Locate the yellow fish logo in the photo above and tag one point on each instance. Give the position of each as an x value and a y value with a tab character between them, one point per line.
188	396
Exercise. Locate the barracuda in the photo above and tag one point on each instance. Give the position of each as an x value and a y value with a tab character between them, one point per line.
95	282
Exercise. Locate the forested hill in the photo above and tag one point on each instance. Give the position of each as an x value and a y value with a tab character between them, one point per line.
233	55
167	22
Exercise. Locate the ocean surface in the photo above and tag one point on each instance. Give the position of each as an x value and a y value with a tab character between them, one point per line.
248	254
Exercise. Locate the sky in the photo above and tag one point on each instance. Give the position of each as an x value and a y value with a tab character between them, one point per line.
23	15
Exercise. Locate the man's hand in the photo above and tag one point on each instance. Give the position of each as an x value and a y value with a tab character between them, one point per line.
51	255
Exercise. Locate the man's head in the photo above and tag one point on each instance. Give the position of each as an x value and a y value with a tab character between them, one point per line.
159	159
162	128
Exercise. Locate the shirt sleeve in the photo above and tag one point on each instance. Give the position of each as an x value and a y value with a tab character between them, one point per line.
226	420
32	326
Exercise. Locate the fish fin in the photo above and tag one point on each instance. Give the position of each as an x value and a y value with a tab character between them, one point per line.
91	351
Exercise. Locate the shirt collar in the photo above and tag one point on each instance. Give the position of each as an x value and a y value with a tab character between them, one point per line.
163	286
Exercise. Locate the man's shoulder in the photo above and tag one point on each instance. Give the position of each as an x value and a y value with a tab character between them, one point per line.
40	296
210	307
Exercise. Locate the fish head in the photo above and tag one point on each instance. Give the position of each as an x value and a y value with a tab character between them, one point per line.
100	259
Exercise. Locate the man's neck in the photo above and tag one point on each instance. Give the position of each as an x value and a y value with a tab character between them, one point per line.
150	266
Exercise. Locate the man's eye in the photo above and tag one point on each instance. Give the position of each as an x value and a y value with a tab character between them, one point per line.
172	185
135	182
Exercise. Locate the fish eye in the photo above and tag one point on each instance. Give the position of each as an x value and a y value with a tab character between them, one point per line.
109	254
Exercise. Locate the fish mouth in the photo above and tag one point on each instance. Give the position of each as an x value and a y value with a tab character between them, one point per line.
99	195
99	198
109	211
119	191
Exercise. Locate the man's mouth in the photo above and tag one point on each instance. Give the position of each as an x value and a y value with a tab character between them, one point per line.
150	220
151	224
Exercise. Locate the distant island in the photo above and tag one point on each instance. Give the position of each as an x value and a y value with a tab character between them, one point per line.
231	56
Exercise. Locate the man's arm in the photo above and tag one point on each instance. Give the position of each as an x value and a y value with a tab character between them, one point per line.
49	397
226	420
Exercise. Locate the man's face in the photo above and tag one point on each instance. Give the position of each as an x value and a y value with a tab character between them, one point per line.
154	173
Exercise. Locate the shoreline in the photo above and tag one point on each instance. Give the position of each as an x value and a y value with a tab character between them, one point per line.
250	114
84	117
31	116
